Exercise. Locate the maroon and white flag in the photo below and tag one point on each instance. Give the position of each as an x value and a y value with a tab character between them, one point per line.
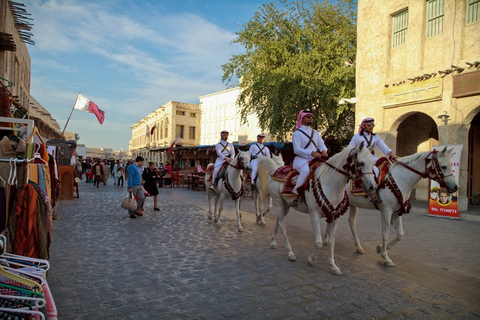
86	105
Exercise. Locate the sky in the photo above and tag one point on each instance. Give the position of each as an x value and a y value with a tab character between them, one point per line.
129	57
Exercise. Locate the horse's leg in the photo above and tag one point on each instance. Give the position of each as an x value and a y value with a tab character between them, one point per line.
269	206
352	221
209	199
315	219
397	223
260	215
282	213
218	207
386	216
237	209
273	244
332	227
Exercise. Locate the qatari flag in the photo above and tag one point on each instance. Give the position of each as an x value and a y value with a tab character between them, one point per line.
86	105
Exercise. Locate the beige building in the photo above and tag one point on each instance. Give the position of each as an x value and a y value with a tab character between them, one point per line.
221	112
172	120
418	76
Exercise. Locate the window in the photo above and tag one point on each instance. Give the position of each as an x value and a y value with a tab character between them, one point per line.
180	113
191	133
473	11
193	114
179	131
166	128
435	14
161	130
400	25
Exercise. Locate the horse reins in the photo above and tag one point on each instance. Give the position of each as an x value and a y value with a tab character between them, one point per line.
235	195
438	176
353	169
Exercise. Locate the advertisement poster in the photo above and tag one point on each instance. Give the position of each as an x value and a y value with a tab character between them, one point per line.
442	203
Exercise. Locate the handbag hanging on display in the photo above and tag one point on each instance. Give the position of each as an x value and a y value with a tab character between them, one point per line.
129	203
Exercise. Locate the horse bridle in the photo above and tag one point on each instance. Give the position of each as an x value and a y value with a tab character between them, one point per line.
434	171
239	165
352	166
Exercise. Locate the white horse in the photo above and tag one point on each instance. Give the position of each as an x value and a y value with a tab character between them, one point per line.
260	192
325	197
230	186
402	176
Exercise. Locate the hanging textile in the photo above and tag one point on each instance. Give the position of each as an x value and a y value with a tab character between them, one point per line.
27	225
3	209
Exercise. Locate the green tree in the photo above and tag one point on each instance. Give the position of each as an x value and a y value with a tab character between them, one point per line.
298	55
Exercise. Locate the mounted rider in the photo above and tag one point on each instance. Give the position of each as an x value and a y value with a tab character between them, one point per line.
372	141
225	153
257	150
307	145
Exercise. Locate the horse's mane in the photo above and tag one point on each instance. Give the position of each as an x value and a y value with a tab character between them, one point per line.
335	161
413	157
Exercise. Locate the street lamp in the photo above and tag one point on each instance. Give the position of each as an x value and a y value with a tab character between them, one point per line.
444	117
345	100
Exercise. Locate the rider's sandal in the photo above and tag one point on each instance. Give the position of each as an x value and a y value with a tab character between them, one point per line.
294	203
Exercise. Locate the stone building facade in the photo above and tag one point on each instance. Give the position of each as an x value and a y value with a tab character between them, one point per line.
418	76
173	119
221	112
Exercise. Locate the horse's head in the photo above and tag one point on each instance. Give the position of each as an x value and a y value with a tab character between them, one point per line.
360	166
438	167
278	159
242	161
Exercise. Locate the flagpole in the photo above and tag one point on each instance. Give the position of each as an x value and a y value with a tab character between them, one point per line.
71	111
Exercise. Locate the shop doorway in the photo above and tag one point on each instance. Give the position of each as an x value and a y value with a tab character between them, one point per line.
473	190
417	133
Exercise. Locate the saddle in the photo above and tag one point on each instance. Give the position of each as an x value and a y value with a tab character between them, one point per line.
356	187
220	175
288	176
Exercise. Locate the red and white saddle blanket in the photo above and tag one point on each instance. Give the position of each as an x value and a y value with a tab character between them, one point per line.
288	176
356	187
210	169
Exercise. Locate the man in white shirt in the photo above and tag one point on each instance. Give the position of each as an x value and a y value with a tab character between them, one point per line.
225	153
257	150
307	144
372	141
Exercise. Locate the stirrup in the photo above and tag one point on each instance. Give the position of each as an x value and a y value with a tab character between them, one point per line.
294	203
376	199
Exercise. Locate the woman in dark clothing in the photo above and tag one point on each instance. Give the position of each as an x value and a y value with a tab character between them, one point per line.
150	176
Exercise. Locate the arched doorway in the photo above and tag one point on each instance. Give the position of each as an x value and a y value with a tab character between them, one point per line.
473	156
417	133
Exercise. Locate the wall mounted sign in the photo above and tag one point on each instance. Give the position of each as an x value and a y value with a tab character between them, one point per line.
425	90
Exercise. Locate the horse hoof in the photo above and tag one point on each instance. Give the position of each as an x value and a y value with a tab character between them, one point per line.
273	246
291	257
389	264
379	249
210	217
240	229
360	250
310	261
262	223
337	272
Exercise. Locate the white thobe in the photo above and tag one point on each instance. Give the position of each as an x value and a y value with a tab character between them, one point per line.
303	149
372	141
256	151
224	150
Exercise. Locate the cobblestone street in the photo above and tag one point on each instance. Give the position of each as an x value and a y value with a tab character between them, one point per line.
176	264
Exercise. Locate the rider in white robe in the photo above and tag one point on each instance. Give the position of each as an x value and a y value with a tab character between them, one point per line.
372	141
257	150
307	144
225	152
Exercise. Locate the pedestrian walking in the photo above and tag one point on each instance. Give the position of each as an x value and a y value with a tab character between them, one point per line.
97	171
135	187
150	176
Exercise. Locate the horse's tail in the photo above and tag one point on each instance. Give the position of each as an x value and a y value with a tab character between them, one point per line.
265	168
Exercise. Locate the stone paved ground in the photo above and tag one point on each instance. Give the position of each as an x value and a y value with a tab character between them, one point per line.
176	264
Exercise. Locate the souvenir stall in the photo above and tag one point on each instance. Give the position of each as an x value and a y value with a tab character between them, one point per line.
27	199
64	154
